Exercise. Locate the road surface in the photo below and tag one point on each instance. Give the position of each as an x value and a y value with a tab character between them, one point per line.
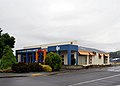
85	77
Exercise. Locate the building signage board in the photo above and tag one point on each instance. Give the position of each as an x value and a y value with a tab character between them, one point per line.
57	48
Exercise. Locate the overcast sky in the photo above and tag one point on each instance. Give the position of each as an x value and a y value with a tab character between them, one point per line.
94	23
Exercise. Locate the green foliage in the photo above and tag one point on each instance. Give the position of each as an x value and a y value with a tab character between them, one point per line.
20	67
0	31
8	70
5	40
8	58
0	62
24	68
35	67
47	68
53	60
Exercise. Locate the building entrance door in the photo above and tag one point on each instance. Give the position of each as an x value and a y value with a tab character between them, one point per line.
72	59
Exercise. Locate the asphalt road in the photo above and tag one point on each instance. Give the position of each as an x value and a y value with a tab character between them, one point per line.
85	77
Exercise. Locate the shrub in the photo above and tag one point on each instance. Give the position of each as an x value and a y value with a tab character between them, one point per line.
20	67
47	68
24	68
8	70
54	61
0	62
35	67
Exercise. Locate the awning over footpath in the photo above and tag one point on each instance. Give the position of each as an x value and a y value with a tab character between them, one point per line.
82	52
107	55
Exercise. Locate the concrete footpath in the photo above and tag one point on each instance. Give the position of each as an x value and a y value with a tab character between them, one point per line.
12	75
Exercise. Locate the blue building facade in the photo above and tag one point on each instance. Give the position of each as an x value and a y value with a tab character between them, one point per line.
27	55
68	48
68	52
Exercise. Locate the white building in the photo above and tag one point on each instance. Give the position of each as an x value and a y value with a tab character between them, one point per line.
70	52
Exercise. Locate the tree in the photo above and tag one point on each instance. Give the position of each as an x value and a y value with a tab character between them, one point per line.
8	58
53	60
8	40
1	43
0	31
1	48
5	39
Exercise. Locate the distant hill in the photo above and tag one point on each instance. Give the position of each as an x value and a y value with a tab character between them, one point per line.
115	54
91	49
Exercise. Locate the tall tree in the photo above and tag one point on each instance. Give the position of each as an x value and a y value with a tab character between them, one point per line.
8	40
5	39
0	31
1	44
8	58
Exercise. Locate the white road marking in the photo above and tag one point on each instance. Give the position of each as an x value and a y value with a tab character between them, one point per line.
94	80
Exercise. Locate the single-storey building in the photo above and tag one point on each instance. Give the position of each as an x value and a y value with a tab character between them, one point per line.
71	54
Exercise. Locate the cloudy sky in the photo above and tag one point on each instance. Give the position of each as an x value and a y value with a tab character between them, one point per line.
94	23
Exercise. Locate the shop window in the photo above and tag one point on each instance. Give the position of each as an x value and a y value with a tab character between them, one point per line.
24	58
62	56
30	58
72	59
90	59
99	56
